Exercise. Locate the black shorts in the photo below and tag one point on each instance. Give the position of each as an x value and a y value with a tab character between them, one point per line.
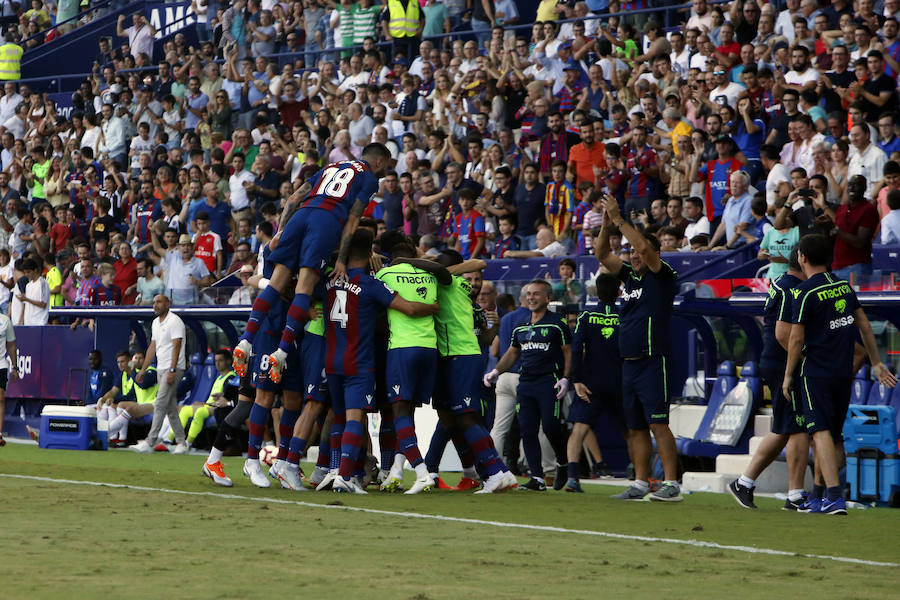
825	401
4	378
603	402
787	418
645	391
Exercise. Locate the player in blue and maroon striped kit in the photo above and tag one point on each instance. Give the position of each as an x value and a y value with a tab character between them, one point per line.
352	305
335	198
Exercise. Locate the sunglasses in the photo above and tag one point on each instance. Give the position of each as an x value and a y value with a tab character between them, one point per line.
718	72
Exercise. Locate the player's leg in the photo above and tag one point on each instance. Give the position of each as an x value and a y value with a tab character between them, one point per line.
504	408
529	412
551	424
258	419
359	393
2	412
228	429
267	297
337	391
201	413
169	398
292	401
579	415
638	440
297	317
797	457
655	399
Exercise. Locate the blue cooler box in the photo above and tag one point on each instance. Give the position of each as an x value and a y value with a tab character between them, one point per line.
873	460
71	428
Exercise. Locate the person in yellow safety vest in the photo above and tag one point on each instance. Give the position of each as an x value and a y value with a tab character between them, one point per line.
198	412
404	26
127	400
10	59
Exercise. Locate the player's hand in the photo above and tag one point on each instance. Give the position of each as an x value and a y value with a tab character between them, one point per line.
884	375
786	386
170	378
611	206
489	378
562	387
376	262
491	317
339	274
583	392
140	376
13	376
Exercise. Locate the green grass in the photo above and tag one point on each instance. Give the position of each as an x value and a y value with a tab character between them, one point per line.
64	540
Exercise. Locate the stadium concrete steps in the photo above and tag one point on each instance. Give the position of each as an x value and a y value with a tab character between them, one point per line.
730	466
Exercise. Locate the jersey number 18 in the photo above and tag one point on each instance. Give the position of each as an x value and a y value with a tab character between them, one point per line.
334	182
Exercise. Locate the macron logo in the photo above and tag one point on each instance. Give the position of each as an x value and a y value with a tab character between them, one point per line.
368	397
397	389
467	400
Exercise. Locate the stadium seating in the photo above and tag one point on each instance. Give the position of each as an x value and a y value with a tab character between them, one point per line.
861	386
880	395
750	375
695	446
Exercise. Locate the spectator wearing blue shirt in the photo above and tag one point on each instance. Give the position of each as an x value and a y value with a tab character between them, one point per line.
529	200
749	133
888	140
195	103
219	212
736	215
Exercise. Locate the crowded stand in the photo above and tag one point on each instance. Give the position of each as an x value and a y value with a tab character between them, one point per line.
480	133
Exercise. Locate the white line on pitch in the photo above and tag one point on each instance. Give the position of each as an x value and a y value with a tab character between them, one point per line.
548	528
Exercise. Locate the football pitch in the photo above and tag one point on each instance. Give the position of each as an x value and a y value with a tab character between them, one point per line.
171	533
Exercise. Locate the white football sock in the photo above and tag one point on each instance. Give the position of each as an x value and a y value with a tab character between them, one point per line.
215	455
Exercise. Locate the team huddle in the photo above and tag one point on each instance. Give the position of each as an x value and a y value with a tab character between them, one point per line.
331	356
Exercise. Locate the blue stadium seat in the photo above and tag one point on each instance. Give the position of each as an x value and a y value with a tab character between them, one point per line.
895	402
190	377
750	374
880	395
862	385
725	382
204	381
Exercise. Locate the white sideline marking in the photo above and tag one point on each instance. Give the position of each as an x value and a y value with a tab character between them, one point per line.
375	511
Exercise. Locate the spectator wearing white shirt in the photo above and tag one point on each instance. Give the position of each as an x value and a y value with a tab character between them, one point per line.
784	25
140	35
112	136
866	158
7	280
699	224
167	347
237	187
890	223
547	247
36	298
10	100
778	180
802	75
186	274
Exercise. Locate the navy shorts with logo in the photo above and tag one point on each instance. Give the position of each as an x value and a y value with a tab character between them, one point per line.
787	419
457	386
291	375
645	391
312	360
411	374
824	402
536	405
308	240
352	392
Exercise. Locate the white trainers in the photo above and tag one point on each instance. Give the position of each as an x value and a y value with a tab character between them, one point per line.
496	483
289	477
277	361
318	474
254	472
275	469
216	472
382	476
240	357
341	485
181	448
327	481
142	446
509	481
393	482
422	484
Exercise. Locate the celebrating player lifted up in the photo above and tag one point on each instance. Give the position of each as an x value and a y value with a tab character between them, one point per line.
335	198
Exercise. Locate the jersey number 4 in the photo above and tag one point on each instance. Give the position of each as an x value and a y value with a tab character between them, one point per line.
338	312
335	182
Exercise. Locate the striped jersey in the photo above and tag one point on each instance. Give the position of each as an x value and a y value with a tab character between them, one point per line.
351	313
339	185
